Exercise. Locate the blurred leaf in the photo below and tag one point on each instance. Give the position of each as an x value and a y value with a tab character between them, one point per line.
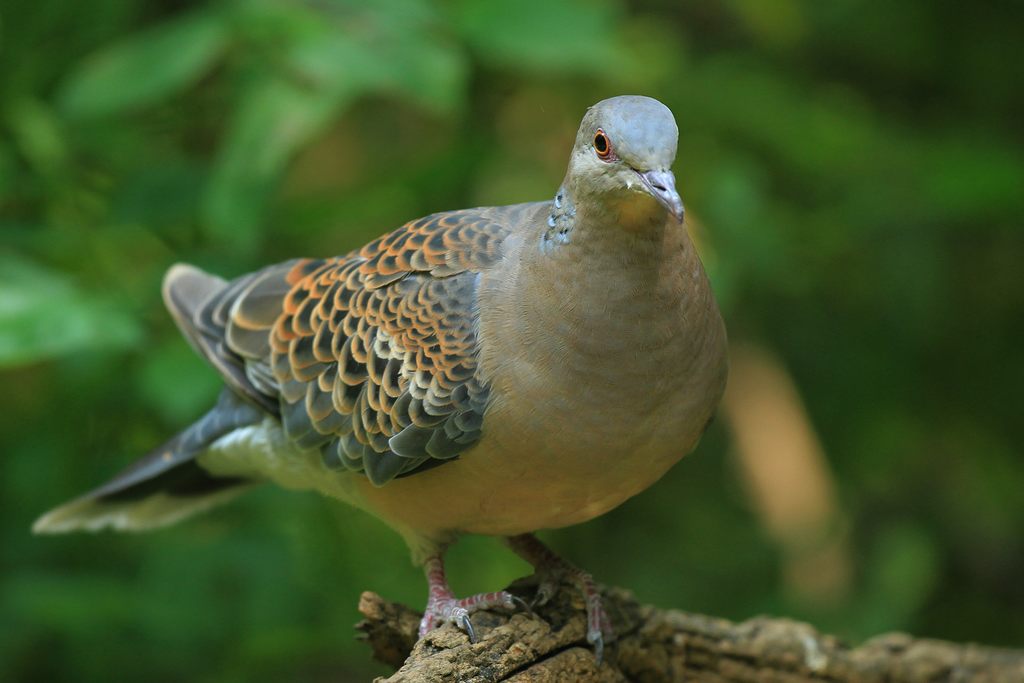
543	35
395	45
275	118
967	178
36	132
431	72
43	314
160	196
7	170
177	381
321	68
147	66
901	575
777	23
333	63
416	54
74	603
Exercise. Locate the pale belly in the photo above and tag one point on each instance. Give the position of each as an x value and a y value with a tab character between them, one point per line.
535	468
534	471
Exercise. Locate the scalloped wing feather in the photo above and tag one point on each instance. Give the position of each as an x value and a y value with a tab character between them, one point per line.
199	304
371	357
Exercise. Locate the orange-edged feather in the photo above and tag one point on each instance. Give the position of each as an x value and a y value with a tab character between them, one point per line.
370	357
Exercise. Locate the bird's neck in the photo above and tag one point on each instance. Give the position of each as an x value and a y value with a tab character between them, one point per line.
594	274
575	215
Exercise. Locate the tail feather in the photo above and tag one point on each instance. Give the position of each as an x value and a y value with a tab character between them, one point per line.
165	486
156	509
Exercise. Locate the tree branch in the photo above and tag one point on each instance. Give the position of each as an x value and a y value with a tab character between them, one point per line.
656	646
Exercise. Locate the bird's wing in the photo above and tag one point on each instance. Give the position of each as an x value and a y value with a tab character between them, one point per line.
201	304
370	357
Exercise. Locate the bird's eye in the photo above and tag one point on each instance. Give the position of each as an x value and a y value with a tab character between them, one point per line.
601	144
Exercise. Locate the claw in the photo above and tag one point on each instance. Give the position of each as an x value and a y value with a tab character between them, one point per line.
519	602
462	621
597	640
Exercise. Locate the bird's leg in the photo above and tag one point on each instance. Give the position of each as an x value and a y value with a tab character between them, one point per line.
443	606
551	570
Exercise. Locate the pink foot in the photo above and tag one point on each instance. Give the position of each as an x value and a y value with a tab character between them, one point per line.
553	570
443	607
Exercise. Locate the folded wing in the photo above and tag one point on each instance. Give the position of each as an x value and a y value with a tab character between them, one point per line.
370	357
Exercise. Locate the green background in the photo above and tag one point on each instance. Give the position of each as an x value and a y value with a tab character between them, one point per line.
858	170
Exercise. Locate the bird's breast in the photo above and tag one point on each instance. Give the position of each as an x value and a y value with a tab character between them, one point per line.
602	376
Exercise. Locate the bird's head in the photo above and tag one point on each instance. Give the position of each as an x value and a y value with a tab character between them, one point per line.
623	158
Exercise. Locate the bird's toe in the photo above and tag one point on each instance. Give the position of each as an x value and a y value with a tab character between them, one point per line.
457	611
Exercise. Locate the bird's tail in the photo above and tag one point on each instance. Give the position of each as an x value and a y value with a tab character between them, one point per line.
165	486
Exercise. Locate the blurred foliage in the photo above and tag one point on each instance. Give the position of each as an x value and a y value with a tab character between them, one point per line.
858	168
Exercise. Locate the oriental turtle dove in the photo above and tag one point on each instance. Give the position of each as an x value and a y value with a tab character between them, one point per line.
493	370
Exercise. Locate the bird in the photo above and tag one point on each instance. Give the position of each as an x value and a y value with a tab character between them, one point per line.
495	370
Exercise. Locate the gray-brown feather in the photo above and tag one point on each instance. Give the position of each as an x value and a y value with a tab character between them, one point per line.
370	357
199	304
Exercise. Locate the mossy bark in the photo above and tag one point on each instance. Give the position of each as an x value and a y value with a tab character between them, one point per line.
655	646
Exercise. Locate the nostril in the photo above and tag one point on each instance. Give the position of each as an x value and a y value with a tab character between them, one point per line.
659	187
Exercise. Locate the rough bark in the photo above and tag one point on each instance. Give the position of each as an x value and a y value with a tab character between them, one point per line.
655	646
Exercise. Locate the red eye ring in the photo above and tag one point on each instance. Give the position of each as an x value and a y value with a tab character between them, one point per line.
602	145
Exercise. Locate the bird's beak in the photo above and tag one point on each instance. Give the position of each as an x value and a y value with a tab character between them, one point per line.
662	184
